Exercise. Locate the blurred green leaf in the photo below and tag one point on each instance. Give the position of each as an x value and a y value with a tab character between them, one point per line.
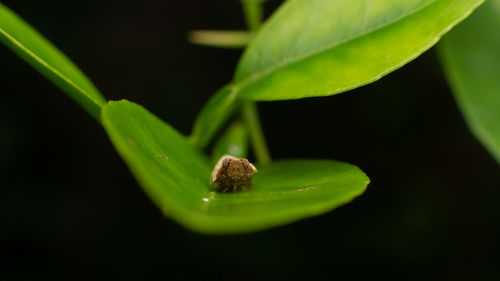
324	47
220	38
213	115
471	57
234	142
26	42
176	176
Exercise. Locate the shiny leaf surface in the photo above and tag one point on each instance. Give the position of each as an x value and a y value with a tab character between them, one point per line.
176	176
323	47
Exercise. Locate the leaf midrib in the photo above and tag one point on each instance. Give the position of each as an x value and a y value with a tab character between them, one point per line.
50	68
257	76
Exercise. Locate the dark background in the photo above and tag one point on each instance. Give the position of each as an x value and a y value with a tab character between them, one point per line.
70	209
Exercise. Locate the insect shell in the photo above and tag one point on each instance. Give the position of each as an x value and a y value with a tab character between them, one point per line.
231	172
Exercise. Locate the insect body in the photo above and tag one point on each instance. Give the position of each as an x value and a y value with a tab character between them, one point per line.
232	172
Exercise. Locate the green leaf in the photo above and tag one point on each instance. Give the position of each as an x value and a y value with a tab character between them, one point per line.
213	115
234	142
26	42
176	176
471	58
324	47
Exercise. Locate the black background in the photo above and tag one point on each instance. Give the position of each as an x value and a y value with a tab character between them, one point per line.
70	209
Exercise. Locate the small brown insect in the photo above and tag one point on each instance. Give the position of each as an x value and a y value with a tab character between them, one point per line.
232	172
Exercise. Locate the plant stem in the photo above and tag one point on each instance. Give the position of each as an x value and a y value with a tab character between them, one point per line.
253	13
253	17
259	146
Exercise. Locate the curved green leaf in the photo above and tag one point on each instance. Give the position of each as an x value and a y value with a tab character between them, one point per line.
234	142
176	176
471	57
324	47
26	42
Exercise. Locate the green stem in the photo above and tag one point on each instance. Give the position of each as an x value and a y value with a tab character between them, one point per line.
253	16
253	13
259	146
